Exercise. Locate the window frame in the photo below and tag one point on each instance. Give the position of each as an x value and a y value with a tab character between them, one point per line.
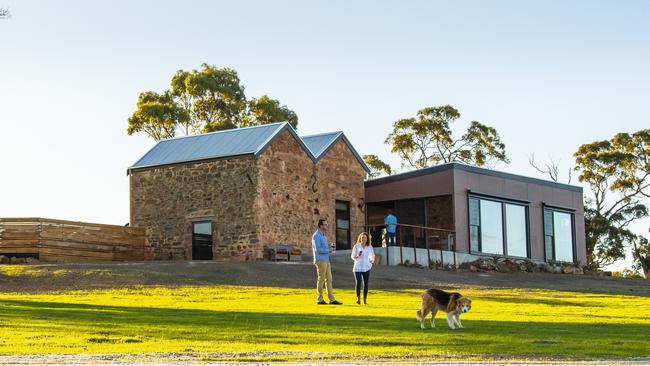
195	235
552	209
336	226
503	201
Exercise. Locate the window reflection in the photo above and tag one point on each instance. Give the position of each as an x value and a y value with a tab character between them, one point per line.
491	227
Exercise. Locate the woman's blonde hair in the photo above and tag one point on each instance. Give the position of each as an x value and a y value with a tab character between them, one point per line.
360	241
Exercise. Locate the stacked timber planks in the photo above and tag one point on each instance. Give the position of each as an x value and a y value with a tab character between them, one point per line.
19	236
69	241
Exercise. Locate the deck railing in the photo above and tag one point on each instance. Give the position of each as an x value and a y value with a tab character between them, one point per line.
414	237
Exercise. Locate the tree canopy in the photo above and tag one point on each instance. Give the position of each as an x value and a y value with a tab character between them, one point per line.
157	115
377	166
617	172
205	100
427	140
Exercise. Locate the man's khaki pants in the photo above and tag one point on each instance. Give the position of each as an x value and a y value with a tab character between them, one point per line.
324	271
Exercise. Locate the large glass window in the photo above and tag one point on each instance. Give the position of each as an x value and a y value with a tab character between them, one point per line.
516	230
491	227
498	227
474	225
563	232
558	235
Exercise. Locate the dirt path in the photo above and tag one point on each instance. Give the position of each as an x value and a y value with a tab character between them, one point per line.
53	277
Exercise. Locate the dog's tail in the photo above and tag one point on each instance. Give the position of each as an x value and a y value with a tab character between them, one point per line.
418	315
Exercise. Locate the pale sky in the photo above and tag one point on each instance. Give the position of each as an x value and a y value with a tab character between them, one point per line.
548	75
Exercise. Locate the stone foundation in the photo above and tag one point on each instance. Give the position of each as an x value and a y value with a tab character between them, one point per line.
502	264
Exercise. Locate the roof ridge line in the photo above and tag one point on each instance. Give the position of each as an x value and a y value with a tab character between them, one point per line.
321	134
223	131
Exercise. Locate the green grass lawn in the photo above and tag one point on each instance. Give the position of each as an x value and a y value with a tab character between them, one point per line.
518	324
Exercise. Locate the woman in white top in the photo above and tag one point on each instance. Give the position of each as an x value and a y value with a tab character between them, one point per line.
363	257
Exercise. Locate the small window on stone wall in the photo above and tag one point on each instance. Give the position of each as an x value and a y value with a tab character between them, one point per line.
343	225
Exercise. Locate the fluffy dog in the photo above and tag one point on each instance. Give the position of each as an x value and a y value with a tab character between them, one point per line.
452	303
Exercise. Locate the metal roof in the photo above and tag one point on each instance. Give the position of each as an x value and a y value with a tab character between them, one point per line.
321	143
471	169
318	144
241	141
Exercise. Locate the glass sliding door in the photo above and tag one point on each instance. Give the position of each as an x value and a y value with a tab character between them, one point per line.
516	231
563	233
558	235
474	224
491	227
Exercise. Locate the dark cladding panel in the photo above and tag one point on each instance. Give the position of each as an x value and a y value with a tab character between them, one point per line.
410	212
440	212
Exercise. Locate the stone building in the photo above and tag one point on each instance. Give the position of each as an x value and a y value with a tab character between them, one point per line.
233	193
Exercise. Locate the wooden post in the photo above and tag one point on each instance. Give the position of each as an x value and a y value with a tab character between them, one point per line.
453	248
415	250
442	258
401	255
426	242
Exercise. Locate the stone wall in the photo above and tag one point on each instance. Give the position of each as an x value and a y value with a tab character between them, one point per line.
166	200
293	193
285	203
340	177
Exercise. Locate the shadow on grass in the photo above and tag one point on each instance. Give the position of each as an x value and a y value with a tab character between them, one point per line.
298	275
542	301
108	325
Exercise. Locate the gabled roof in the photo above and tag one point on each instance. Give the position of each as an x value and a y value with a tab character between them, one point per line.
241	141
320	144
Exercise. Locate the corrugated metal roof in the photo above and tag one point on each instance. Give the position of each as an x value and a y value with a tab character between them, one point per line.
318	144
248	140
321	143
241	141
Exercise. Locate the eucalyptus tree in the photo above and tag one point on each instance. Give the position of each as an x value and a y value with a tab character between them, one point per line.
208	99
617	172
377	166
157	115
427	140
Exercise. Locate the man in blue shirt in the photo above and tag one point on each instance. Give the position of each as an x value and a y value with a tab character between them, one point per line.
321	250
391	228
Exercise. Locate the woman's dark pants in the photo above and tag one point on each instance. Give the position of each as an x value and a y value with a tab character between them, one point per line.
358	276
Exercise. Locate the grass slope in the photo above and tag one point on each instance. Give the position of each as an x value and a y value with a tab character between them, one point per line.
510	323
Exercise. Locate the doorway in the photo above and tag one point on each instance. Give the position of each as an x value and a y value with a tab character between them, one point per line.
202	240
343	225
